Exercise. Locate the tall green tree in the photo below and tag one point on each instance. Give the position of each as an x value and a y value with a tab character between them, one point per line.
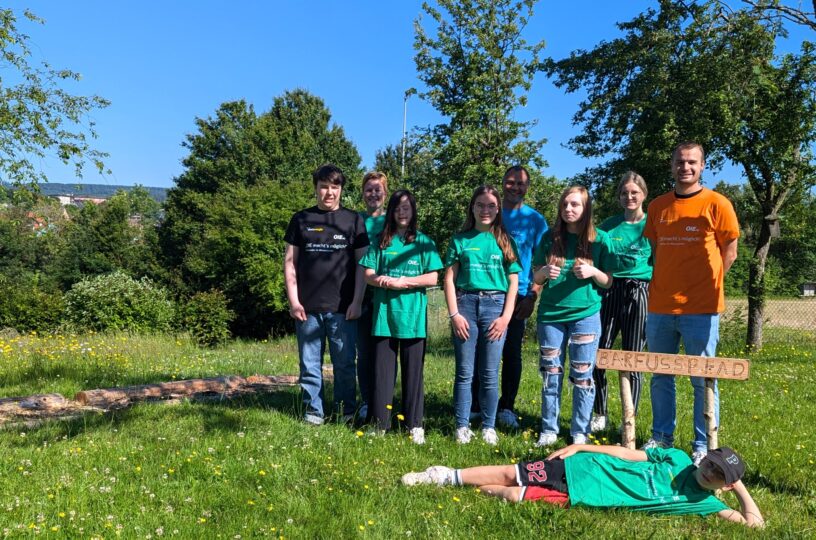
119	234
38	118
698	71
245	175
477	69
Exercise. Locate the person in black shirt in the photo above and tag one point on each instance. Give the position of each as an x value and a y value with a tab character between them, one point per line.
325	289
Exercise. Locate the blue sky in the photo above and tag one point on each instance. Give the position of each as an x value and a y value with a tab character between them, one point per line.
162	64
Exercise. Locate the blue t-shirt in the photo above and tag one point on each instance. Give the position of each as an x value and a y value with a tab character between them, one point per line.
526	227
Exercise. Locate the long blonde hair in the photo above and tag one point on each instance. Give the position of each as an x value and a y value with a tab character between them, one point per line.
586	231
502	238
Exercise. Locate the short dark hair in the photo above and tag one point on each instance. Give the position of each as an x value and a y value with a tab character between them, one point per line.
329	173
515	169
688	145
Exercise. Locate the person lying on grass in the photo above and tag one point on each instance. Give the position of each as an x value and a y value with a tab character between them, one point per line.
657	480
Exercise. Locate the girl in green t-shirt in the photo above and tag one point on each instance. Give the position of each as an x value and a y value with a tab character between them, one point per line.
481	282
375	191
570	261
400	265
625	304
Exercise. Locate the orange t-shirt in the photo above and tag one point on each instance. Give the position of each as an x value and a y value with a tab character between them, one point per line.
688	236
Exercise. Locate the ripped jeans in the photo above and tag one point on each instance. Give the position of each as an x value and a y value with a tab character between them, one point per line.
580	338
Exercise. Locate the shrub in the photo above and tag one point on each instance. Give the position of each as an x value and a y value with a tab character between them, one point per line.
116	301
26	303
207	317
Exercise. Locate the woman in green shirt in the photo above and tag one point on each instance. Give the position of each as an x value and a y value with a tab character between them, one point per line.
481	282
399	266
375	190
570	261
625	304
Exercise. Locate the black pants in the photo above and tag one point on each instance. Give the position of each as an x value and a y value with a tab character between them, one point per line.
623	311
365	353
510	367
412	362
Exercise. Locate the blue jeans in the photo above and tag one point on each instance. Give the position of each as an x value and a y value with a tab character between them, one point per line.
700	334
554	340
341	335
479	309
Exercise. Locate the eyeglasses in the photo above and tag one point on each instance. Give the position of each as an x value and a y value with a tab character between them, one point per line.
489	207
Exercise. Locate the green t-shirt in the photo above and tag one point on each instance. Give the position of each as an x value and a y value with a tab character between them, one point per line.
567	298
664	484
482	266
374	227
630	256
401	314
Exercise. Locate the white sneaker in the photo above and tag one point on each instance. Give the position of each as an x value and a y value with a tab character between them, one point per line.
463	435
546	439
508	418
490	436
651	443
313	419
579	438
436	475
597	424
698	456
418	435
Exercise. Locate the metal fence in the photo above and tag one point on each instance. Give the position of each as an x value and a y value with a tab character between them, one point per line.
789	319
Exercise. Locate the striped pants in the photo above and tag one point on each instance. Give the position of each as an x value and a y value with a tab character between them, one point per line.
623	311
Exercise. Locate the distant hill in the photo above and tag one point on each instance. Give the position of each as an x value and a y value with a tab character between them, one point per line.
96	191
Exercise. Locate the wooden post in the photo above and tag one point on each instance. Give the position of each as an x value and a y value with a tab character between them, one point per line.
628	432
709	414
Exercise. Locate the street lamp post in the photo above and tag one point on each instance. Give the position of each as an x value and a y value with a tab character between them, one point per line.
408	93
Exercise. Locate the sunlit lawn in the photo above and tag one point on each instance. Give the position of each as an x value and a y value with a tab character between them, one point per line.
251	468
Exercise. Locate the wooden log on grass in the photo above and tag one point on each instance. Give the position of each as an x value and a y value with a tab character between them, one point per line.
227	387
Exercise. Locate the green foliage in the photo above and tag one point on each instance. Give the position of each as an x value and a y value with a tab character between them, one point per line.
116	301
477	68
207	317
119	234
245	176
37	117
28	303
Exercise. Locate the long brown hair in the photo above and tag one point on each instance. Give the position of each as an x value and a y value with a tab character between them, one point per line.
502	238
586	231
390	229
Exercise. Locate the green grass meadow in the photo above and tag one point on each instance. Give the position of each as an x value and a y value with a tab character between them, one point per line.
250	468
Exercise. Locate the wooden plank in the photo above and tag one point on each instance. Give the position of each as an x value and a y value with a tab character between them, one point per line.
674	364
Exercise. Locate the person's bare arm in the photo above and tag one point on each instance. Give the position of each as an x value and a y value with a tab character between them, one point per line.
459	323
355	308
615	451
729	254
749	514
290	257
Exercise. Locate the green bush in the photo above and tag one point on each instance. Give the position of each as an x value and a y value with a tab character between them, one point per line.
207	317
116	301
28	304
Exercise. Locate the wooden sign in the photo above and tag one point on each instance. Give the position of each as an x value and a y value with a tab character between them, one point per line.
674	364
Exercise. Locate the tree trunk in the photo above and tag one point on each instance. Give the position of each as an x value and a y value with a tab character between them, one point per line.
756	284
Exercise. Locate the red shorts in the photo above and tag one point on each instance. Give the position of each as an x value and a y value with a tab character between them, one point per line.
538	493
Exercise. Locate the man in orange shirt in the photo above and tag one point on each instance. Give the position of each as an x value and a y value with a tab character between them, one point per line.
694	232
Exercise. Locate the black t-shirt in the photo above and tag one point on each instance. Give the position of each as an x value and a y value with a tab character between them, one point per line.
326	266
